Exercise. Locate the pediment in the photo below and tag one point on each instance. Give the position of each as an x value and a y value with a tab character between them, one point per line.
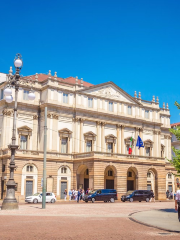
24	128
110	136
110	91
90	133
65	130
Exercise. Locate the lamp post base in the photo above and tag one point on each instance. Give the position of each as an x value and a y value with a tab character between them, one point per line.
10	202
9	205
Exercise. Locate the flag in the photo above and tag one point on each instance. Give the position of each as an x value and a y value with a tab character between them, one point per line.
139	143
130	146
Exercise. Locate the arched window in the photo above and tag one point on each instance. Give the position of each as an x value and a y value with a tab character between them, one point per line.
29	168
63	170
149	174
169	175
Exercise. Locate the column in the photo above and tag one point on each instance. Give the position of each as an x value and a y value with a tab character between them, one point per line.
68	150
169	148
122	108
136	137
75	135
141	136
166	146
54	132
122	139
103	149
159	144
98	136
35	133
28	142
118	138
81	136
155	144
48	131
60	139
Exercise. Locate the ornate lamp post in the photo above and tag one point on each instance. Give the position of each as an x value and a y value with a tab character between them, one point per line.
10	202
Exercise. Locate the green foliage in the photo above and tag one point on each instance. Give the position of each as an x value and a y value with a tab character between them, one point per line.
176	159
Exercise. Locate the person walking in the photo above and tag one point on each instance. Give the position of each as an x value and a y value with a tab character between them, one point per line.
171	195
70	194
78	195
152	196
65	194
177	203
167	194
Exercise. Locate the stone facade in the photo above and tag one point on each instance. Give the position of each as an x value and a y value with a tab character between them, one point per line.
89	132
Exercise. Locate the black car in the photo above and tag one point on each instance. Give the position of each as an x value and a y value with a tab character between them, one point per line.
106	195
137	195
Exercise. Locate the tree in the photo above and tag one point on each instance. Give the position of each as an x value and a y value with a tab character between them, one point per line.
176	159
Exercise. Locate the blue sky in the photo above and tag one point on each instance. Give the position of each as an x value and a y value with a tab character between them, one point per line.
135	44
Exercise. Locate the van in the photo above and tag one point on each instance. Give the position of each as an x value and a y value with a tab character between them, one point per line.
106	195
137	195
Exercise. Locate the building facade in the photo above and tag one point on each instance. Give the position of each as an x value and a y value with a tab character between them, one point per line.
89	132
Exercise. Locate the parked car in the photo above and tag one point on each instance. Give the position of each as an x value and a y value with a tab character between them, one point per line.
37	197
137	195
106	195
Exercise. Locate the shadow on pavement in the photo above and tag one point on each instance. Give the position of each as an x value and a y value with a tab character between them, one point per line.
168	210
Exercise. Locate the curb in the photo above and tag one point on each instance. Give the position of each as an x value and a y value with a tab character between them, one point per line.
148	225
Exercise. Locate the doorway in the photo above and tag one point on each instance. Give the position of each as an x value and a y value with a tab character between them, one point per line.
29	188
63	187
109	184
130	185
86	184
2	188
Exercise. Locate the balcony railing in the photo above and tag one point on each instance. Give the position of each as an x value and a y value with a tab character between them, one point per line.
74	156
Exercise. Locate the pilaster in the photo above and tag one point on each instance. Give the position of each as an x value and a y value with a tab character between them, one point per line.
122	139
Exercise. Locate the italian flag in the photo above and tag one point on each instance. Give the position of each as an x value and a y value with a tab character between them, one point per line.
130	146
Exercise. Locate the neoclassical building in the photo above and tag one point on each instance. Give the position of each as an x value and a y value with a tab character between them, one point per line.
89	132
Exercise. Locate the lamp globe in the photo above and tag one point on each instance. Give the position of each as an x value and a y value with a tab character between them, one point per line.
18	63
7	92
9	99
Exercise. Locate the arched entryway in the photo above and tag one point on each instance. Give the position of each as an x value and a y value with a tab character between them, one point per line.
29	180
132	179
63	181
152	183
83	177
110	178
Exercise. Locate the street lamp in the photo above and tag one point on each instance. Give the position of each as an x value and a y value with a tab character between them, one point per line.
10	202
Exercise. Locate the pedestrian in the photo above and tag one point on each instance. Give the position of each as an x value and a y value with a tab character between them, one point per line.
152	196
73	194
70	194
177	203
174	196
171	195
167	193
65	194
78	195
82	194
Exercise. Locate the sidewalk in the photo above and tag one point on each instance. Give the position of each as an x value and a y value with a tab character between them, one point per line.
165	219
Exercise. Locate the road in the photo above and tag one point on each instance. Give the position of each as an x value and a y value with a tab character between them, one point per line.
81	221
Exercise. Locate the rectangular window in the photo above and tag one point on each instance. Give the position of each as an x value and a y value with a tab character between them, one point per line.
25	95
23	142
110	147
2	94
110	106
129	110
89	146
127	149
146	113
3	168
110	173
65	98
90	102
129	174
64	145
148	151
